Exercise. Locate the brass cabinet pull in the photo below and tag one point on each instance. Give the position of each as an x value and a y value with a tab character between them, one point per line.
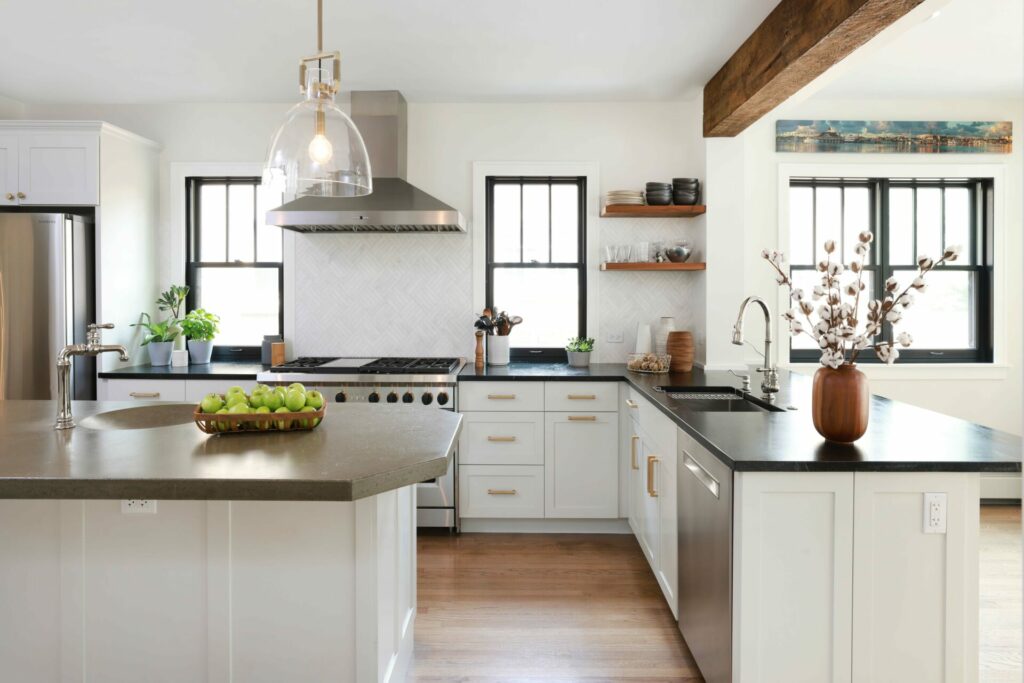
145	394
631	403
501	397
583	418
10	196
21	195
582	397
632	452
651	459
502	439
501	492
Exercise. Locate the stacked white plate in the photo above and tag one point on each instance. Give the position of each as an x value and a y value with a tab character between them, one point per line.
628	197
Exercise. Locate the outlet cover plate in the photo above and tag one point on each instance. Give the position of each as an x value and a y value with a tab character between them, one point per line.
935	513
138	506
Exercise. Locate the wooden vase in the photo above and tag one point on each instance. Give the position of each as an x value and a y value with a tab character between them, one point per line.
680	347
840	403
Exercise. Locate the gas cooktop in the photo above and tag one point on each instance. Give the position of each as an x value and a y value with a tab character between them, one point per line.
370	366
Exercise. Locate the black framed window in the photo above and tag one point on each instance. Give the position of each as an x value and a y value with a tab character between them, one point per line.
952	321
536	260
234	266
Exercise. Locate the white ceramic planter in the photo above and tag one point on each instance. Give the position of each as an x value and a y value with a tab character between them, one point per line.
160	352
199	352
665	325
579	359
497	350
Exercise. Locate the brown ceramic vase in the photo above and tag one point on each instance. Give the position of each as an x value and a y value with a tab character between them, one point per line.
840	403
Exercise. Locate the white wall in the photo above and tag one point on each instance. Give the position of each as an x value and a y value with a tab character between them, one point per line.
385	294
991	396
11	109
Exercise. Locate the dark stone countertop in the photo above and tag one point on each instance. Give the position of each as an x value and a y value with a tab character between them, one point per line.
900	437
214	370
356	452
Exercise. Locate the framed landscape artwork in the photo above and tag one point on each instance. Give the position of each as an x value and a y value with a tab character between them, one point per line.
895	137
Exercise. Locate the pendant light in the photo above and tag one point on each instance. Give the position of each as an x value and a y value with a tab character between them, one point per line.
318	151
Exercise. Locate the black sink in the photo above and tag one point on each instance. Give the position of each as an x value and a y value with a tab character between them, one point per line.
718	400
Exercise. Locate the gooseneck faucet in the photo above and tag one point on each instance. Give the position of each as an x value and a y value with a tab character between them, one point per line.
91	347
770	383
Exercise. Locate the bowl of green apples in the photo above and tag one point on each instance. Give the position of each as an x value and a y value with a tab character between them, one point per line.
264	409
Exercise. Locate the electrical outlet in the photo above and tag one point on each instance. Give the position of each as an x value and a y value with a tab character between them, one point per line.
935	513
138	506
614	338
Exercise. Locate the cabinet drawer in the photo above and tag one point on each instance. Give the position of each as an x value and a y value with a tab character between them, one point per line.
501	396
502	439
588	396
658	426
501	491
144	389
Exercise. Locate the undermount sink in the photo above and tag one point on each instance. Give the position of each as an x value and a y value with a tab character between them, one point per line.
718	400
143	417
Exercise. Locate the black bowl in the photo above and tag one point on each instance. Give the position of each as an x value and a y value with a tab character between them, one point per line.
685	181
654	184
659	201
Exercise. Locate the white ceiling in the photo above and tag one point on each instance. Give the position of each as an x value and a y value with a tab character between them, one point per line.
971	48
143	51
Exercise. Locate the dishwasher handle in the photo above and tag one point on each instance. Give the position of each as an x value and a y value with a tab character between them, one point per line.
702	475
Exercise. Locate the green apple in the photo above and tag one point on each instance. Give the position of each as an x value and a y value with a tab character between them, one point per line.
261	387
258	398
234	390
272	399
282	424
296	386
237	399
295	400
222	426
211	403
306	424
315	399
263	426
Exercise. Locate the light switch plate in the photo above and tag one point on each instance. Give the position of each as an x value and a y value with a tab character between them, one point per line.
935	513
138	506
614	338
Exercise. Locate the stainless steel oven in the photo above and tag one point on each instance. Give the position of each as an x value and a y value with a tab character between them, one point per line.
392	384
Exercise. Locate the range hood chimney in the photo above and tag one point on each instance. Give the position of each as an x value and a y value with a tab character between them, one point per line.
395	206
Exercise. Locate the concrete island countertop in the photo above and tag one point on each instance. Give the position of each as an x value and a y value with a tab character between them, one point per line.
358	451
900	437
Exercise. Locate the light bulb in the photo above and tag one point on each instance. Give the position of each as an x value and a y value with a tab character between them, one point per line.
320	149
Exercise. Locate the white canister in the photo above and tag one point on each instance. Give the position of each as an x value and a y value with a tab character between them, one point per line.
643	338
179	358
665	325
497	350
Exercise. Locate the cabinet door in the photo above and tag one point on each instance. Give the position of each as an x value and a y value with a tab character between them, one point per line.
649	515
667	569
636	485
8	170
59	168
581	474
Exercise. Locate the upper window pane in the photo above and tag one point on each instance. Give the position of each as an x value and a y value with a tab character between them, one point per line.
241	223
506	236
536	227
268	237
828	218
929	222
801	225
213	222
565	221
856	219
958	222
901	226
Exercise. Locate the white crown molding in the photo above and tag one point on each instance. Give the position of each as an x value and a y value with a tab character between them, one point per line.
80	126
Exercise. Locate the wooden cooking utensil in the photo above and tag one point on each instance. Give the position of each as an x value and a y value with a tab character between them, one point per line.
680	348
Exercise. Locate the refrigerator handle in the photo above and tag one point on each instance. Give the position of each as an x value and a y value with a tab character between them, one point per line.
3	339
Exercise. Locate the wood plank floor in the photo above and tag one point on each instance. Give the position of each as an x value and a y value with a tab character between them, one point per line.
554	607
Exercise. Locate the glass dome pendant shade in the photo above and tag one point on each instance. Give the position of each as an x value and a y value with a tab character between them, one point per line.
318	151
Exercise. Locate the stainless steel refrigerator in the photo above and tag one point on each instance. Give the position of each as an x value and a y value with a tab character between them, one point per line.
47	297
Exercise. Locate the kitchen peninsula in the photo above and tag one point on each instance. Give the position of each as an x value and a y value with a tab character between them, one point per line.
272	556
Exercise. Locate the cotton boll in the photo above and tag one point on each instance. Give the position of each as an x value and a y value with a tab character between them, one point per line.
830	246
905	339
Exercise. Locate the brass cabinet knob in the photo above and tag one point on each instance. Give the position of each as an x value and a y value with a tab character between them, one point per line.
21	195
10	196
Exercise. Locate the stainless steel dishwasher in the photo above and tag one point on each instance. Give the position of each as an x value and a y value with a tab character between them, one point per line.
705	558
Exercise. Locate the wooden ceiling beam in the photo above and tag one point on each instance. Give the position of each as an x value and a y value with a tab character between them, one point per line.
796	43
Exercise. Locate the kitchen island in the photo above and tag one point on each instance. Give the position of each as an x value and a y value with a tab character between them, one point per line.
270	557
786	557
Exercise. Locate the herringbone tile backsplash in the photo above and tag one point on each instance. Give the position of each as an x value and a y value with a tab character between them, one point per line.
365	295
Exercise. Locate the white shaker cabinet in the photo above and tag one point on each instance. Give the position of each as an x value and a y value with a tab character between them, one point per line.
58	168
581	465
8	170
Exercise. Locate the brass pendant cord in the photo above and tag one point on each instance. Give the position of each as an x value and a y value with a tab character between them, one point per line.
319	26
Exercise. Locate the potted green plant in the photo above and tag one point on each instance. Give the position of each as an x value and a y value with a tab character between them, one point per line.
579	349
200	327
172	301
159	340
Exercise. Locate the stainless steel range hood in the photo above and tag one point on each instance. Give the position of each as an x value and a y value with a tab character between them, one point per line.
395	206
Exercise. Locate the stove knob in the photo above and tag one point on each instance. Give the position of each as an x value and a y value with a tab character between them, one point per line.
427	398
407	397
392	397
374	397
340	397
442	398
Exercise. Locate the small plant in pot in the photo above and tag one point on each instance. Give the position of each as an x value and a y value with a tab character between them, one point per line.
173	301
840	399
159	339
578	350
200	327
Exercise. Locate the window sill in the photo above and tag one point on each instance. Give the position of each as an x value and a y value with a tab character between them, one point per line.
920	371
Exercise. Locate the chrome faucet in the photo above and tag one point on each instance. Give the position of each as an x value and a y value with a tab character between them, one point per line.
770	383
91	347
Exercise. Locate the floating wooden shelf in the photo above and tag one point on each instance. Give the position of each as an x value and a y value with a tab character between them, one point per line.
645	211
653	266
